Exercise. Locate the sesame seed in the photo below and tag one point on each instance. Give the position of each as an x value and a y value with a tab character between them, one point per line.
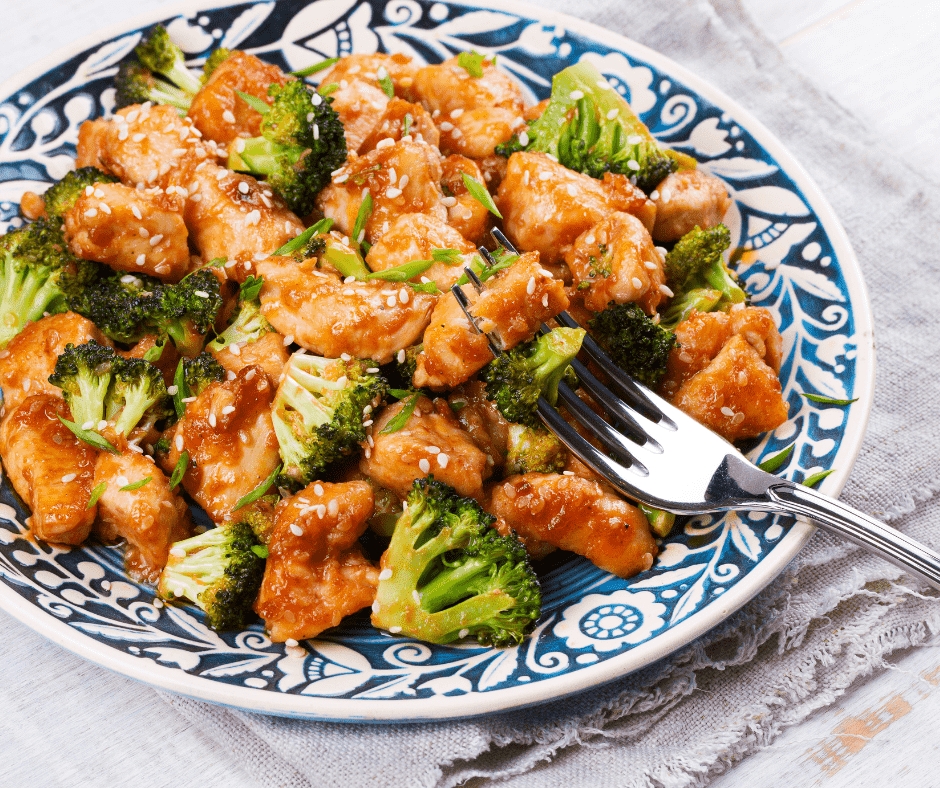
572	190
333	508
390	301
613	114
401	356
317	100
122	133
649	265
393	192
155	240
574	95
121	481
456	134
385	574
524	139
88	425
633	165
213	421
654	195
296	530
91	213
202	294
143	232
530	286
394	630
349	291
404	296
179	442
386	143
321	511
254	217
525	178
463	633
367	423
341	178
544	175
446	126
177	552
240	145
102	424
243	187
424	465
235	350
449	202
377	606
567	473
666	291
545	300
158	603
634	139
136	211
727	412
318	489
443	459
69	477
637	282
316	131
403	181
291	643
89	190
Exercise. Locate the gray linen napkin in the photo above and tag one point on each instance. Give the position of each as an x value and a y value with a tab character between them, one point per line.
830	618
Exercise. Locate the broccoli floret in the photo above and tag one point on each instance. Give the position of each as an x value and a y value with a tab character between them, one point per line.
199	373
214	60
220	571
318	411
447	574
589	127
158	53
406	362
533	450
62	196
248	325
135	84
637	345
99	385
698	276
302	141
126	307
516	379
38	273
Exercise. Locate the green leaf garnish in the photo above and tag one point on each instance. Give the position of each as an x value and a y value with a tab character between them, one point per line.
827	400
259	105
96	492
480	194
88	436
182	465
259	491
250	288
315	68
401	393
811	481
402	418
260	550
182	390
365	211
136	485
472	63
403	272
387	87
771	464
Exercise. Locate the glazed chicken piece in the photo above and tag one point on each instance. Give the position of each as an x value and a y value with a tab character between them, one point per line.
229	435
402	177
430	442
50	469
368	68
29	359
316	574
130	230
482	420
149	518
577	515
269	353
447	86
360	107
515	303
688	199
476	132
219	112
546	206
398	115
465	213
232	215
143	144
723	372
616	260
325	315
414	236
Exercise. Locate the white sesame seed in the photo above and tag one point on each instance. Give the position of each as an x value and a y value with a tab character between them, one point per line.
102	424
316	131
649	265
333	507
158	603
530	285
524	139
666	291
318	489
385	574
69	477
637	282
463	633
342	178
213	421
392	192
633	165
234	349
574	95
296	530
449	202
121	481
143	232
202	294
634	139
228	409
88	425
727	412
89	190
424	465
443	459
291	643
572	190
367	423
243	187
525	178
254	217
401	356
288	340
404	296
545	300
91	213
613	114
386	143
403	181
138	137
377	606
446	126
372	371
349	291
317	100
177	552
456	134
391	301
394	630
321	511
155	240
179	442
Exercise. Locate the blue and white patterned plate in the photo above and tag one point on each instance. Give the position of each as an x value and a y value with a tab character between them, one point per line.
594	627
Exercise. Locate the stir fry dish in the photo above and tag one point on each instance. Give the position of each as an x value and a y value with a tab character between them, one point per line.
240	302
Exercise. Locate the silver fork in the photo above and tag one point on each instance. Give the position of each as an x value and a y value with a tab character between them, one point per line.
659	456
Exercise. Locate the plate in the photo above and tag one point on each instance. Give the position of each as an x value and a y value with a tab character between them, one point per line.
594	627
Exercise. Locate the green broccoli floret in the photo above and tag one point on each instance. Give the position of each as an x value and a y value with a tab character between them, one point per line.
62	196
637	345
37	274
533	450
220	571
318	410
126	307
698	276
516	379
302	141
160	55
406	363
248	325
99	385
135	84
589	127
214	60
447	574
195	375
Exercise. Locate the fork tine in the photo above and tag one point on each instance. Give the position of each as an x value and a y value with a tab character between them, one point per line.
464	304
615	408
503	241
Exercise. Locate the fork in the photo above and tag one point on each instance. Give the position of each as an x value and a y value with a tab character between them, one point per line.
657	455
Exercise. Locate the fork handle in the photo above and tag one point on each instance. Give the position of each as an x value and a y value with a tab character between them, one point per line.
865	531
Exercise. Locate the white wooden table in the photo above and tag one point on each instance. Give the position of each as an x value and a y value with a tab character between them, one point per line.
878	58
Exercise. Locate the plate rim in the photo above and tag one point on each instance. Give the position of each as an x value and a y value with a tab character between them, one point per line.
441	708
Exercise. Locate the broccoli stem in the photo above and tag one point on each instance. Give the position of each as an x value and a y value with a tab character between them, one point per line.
27	294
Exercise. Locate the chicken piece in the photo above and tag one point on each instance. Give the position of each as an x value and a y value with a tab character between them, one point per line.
493	169
368	68
430	442
323	314
402	177
482	420
232	215
515	303
476	132
316	574
219	112
29	359
617	261
269	353
392	124
546	206
50	469
448	86
92	139
129	230
577	515
413	236
229	435
688	199
465	213
702	335
145	145
149	518
360	107
33	206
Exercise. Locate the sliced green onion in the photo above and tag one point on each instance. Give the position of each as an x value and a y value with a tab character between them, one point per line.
771	464
402	418
403	272
295	244
328	90
811	481
259	105
472	63
88	436
400	393
260	550
661	522
259	491
155	353
448	256
96	492
250	288
424	287
480	194
136	485
407	125
827	400
315	68
348	263
182	465
182	389
365	211
387	87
